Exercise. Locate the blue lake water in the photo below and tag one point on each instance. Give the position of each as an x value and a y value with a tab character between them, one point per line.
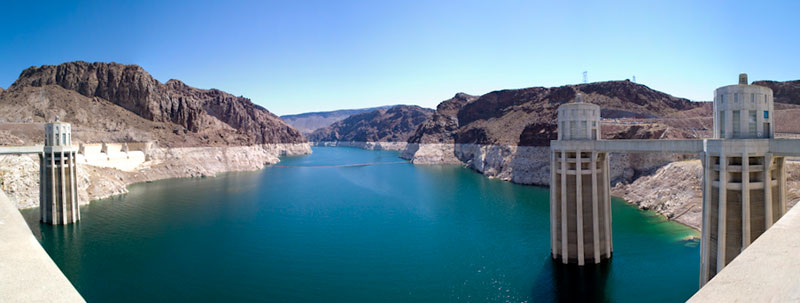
318	232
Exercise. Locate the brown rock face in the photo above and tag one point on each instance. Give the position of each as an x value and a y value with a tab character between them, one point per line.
395	124
132	88
441	126
787	92
527	117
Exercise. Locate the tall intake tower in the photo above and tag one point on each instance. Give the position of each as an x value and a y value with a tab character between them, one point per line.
58	191
744	185
580	212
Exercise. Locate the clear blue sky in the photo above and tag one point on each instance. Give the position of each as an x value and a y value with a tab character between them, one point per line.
298	56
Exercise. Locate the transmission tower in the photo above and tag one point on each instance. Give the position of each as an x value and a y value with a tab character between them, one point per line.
585	77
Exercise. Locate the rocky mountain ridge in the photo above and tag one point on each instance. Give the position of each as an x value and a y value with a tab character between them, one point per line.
309	122
210	116
527	117
395	124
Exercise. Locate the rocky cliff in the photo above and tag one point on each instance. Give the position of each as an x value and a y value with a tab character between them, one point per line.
93	95
443	124
527	116
395	124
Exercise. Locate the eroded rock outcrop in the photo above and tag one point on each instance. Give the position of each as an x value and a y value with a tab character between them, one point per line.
675	191
185	109
442	125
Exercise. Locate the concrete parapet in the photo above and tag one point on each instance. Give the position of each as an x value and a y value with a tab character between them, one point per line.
17	150
785	147
767	271
27	274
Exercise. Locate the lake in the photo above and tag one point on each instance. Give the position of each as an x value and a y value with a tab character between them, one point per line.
316	229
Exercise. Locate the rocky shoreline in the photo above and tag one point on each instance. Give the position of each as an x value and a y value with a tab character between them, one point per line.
675	191
526	164
19	174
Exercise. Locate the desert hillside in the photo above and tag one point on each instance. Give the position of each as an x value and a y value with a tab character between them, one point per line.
117	102
526	117
309	122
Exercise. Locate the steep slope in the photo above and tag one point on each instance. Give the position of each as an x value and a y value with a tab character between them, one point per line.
92	94
309	122
395	124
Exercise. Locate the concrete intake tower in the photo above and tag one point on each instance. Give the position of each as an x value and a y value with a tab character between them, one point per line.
580	211
744	184
58	190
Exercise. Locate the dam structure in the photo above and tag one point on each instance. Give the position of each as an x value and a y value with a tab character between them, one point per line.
744	177
58	190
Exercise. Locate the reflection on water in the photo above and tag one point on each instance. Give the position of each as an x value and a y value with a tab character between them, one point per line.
572	283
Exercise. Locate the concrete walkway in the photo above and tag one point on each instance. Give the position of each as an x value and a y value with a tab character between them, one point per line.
16	150
27	274
767	271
